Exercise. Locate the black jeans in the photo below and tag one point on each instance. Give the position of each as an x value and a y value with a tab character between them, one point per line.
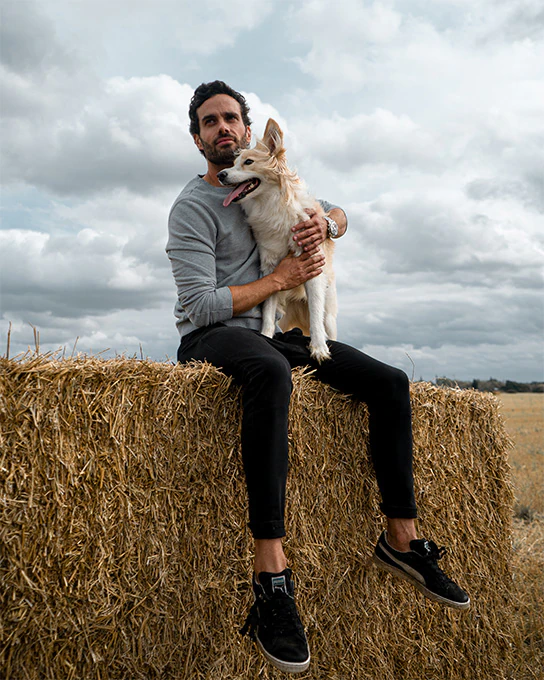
262	366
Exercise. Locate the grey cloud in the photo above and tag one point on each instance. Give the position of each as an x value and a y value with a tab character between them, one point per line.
518	168
38	77
442	242
148	250
529	192
72	277
27	39
425	317
522	358
525	23
517	20
75	302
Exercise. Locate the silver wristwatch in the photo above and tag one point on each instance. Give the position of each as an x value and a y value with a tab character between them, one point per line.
332	227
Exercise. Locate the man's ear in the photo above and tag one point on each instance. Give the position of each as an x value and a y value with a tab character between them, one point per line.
197	141
273	137
248	135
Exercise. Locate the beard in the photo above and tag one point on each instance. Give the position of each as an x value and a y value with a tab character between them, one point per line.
219	156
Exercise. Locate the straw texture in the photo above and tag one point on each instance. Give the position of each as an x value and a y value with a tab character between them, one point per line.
125	551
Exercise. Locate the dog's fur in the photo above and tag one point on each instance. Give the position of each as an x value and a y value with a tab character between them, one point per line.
274	200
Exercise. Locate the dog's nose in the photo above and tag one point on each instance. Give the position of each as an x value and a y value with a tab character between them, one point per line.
222	176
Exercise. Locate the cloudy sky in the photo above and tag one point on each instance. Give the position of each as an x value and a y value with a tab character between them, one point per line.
423	120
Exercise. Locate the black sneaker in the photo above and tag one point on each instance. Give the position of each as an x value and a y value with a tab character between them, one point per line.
420	568
275	625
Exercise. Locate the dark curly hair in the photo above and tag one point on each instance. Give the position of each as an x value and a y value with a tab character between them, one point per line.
206	90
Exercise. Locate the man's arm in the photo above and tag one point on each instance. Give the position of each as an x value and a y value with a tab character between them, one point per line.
191	249
312	232
289	273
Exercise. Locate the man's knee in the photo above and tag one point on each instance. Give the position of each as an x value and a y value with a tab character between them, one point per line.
398	383
275	371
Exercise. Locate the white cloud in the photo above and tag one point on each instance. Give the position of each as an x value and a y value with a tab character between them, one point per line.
344	38
120	136
347	144
69	132
424	120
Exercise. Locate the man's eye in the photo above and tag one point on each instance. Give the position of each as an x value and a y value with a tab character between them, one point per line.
248	162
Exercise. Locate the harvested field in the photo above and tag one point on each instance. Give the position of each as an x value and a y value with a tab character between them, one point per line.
524	420
125	551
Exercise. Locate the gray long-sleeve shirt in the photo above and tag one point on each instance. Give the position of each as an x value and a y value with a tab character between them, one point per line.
211	248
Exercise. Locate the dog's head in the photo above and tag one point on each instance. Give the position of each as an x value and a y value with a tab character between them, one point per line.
253	168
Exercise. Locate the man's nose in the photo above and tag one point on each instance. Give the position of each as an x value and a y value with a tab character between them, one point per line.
224	126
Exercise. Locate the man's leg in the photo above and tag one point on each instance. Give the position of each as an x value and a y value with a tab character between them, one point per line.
265	377
385	390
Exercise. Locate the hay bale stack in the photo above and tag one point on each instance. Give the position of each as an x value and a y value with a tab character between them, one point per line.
125	549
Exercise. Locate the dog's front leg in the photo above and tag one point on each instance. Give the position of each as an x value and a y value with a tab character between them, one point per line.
331	311
269	316
315	291
270	305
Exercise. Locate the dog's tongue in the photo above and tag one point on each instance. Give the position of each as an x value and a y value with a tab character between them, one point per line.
234	193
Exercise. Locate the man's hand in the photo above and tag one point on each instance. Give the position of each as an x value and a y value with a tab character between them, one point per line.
310	233
293	271
289	273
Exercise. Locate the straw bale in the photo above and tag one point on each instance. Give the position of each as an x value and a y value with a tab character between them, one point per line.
125	551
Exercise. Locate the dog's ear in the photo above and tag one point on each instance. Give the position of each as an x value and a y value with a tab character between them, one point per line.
273	137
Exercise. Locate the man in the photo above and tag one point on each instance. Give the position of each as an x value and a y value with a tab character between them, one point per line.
220	289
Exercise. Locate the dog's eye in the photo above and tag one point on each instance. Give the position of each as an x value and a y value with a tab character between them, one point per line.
248	162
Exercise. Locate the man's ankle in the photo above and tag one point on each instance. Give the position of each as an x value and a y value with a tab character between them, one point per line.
400	532
272	567
399	542
269	556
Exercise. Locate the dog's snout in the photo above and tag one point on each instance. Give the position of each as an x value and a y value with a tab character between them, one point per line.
221	176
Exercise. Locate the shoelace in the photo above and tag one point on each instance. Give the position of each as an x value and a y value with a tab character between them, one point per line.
281	612
251	622
434	553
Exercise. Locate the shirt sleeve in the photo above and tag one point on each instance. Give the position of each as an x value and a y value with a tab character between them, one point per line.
192	238
327	207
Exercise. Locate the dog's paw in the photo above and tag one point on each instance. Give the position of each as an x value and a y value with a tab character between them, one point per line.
269	332
320	353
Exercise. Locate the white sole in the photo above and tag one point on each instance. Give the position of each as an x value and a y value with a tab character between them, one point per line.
417	584
285	666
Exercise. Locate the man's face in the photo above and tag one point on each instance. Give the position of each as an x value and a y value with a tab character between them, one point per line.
222	130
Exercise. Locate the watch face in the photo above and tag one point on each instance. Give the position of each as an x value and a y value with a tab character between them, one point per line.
332	227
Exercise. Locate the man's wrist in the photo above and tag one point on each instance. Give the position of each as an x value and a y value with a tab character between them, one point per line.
333	230
339	216
276	283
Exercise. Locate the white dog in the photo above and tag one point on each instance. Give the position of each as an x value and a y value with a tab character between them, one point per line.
274	200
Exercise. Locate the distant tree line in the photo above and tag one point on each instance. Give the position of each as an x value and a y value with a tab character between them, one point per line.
491	385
